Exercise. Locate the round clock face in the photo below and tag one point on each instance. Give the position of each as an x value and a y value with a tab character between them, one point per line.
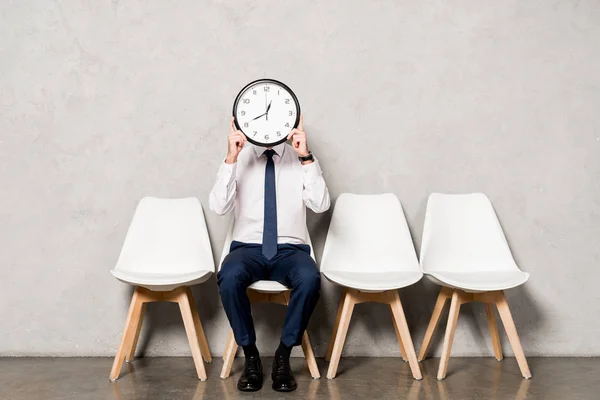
266	111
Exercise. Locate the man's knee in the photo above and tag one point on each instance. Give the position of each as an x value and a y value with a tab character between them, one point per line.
308	280
232	276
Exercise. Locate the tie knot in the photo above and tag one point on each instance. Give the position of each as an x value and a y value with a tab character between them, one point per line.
269	153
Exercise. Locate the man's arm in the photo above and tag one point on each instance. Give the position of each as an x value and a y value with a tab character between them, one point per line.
315	194
222	196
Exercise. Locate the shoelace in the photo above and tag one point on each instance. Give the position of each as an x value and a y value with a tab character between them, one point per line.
252	366
282	366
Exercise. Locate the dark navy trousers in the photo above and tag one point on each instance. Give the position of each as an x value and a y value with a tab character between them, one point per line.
292	266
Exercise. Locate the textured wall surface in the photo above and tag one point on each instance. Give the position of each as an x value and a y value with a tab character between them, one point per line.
103	102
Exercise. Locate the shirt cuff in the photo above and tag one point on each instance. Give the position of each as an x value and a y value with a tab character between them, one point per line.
227	172
312	171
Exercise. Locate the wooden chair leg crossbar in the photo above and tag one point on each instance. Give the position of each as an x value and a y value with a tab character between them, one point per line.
350	298
133	325
278	298
459	297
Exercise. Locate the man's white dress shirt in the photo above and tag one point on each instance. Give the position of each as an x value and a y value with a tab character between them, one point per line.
240	187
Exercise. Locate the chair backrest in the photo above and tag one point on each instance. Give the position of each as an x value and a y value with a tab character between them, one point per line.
462	233
166	236
368	233
229	239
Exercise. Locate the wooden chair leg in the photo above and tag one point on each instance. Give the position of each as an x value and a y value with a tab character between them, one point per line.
335	326
511	332
399	337
449	337
131	352
445	293
228	356
340	336
310	357
188	309
404	333
127	338
199	329
493	325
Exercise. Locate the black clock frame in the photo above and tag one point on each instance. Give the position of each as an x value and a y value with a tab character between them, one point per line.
237	99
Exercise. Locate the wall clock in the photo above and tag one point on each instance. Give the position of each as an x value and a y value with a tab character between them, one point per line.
266	111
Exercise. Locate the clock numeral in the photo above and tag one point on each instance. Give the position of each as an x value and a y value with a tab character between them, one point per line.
291	113
266	137
246	101
267	88
287	125
287	101
243	113
254	92
278	133
245	124
255	132
278	93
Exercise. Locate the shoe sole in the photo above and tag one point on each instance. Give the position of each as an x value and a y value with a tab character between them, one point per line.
284	389
249	389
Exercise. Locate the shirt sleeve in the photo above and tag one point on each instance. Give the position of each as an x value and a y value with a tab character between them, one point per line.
222	196
315	194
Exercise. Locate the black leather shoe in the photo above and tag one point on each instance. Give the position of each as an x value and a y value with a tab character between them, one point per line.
252	378
283	380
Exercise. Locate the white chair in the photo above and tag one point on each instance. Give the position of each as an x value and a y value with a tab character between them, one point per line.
166	250
265	292
370	253
464	251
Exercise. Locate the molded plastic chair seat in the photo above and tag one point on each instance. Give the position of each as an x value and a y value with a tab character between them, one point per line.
374	281
161	281
479	281
268	287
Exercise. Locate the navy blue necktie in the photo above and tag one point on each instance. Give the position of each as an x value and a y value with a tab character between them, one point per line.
269	244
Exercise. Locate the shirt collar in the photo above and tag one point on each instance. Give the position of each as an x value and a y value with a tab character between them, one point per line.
279	149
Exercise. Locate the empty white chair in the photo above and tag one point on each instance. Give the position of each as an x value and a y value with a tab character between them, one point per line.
166	250
265	292
370	253
464	250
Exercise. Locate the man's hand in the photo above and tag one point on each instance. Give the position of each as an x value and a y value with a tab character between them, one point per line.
236	143
298	138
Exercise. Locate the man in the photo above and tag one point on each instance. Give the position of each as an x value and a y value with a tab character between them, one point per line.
268	189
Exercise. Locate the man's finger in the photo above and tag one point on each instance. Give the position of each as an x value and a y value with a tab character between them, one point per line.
232	126
294	131
300	124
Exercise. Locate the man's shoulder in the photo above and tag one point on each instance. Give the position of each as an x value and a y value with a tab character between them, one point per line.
288	146
246	153
289	151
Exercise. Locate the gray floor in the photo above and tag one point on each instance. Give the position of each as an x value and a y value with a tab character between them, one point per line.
358	378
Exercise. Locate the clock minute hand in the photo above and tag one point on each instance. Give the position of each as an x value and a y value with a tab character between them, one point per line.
259	116
268	108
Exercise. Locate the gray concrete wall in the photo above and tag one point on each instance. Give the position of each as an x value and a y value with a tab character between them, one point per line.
103	102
